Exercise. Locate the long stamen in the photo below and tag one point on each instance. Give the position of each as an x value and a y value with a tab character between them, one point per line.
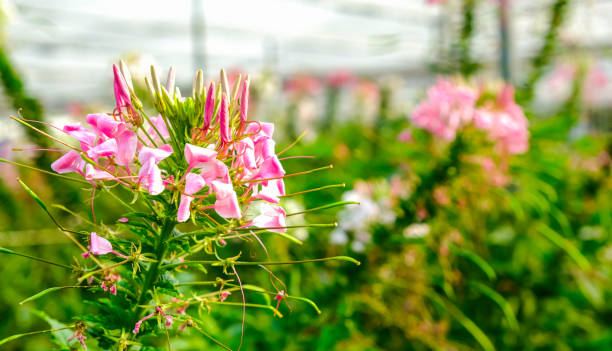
288	175
293	143
43	133
316	189
43	171
335	204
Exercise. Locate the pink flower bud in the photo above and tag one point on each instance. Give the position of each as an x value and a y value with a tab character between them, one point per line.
224	120
209	106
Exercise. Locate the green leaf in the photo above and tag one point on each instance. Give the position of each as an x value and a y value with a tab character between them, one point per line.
41	294
564	244
500	301
33	195
467	323
60	330
476	259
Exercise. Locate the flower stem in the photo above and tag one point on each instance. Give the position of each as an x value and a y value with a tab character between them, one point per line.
153	272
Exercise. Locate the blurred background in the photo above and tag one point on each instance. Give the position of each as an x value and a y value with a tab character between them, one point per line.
521	266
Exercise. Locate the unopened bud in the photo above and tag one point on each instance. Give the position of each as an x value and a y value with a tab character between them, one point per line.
235	87
155	81
224	83
125	72
150	89
198	85
170	83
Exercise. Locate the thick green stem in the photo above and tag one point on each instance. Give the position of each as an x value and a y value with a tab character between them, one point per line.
160	251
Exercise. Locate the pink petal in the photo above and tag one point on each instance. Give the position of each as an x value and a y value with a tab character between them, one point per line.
193	183
157	155
107	148
99	245
271	168
70	162
215	170
184	208
271	216
160	124
196	155
150	176
94	174
105	125
86	137
227	202
127	143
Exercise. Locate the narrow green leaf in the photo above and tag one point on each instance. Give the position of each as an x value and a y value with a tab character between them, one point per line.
33	195
476	259
17	336
50	290
500	301
467	323
41	294
572	251
11	252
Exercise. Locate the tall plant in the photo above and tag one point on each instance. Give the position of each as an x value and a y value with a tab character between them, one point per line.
196	181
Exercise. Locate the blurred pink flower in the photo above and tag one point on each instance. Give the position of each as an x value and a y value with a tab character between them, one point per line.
340	78
448	107
505	123
405	136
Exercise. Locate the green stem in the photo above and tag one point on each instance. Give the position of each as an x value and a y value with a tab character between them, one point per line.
160	251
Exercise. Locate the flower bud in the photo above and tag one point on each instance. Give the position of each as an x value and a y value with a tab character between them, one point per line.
126	75
155	81
198	85
170	82
224	83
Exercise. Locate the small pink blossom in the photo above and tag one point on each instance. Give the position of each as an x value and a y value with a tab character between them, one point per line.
78	335
405	136
224	295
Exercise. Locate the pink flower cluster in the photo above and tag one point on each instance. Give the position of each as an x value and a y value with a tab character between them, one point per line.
451	106
505	123
448	107
223	155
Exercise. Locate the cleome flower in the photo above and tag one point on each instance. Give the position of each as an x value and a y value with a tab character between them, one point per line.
225	156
